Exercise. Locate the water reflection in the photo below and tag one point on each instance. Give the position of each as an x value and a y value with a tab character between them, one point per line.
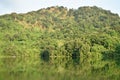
76	60
57	68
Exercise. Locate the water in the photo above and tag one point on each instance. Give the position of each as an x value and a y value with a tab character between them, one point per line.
58	68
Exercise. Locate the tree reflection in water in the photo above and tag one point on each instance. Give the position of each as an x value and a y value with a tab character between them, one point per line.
57	68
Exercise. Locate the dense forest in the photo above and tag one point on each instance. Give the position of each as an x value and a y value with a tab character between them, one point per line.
61	32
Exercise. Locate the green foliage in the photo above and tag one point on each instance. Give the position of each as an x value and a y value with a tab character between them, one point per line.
86	32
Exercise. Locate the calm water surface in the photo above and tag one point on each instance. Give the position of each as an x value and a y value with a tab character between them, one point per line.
58	68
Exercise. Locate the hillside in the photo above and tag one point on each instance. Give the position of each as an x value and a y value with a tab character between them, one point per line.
86	32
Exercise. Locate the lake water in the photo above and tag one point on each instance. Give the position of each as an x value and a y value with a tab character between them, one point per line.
58	68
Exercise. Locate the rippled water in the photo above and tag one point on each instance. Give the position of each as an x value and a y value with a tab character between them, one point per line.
58	68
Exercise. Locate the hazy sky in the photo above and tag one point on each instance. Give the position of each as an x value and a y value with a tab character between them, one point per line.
22	6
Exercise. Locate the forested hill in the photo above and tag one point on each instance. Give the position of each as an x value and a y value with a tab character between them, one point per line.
86	31
59	17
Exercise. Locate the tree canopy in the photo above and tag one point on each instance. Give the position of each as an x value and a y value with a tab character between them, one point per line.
86	31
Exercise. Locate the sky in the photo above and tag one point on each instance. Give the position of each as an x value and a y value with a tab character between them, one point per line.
23	6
